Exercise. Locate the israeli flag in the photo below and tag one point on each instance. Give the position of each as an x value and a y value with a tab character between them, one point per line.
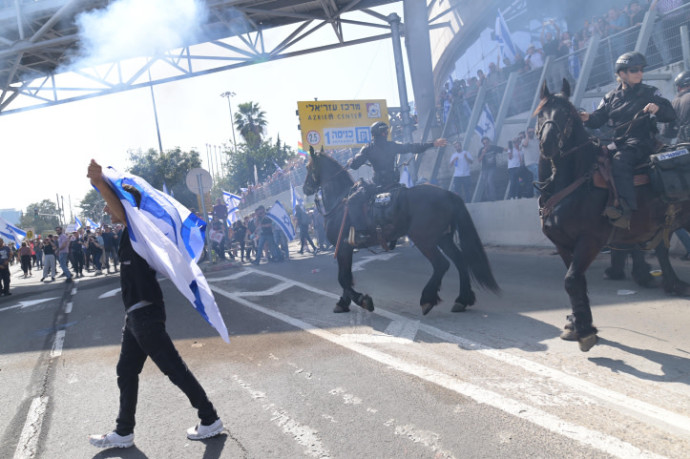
279	215
11	233
233	203
171	240
92	223
502	34
296	199
486	126
77	224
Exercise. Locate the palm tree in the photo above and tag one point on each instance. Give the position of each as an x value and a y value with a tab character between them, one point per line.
250	122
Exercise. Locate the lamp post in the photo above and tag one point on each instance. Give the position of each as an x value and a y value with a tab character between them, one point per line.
228	95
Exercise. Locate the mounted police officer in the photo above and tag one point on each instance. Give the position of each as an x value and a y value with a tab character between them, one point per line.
634	135
381	154
680	128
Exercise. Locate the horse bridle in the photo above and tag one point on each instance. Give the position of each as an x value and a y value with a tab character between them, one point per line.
562	135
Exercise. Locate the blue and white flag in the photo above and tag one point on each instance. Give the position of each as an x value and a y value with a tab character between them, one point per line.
279	215
171	239
502	34
277	166
77	223
233	203
11	233
405	178
485	126
165	189
92	223
296	199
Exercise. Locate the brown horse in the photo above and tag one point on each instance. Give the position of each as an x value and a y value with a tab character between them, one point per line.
576	225
430	216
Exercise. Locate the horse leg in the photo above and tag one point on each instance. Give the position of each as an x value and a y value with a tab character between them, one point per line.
672	285
576	287
466	297
346	282
640	269
430	296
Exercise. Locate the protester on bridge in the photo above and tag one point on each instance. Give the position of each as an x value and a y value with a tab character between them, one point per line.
634	134
460	161
5	254
144	335
487	180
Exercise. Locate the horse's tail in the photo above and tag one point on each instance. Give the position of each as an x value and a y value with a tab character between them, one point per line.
472	247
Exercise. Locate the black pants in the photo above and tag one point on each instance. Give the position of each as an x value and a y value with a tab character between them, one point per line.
144	336
623	165
305	238
5	280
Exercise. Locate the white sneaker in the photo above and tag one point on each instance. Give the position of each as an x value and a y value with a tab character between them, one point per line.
199	432
112	440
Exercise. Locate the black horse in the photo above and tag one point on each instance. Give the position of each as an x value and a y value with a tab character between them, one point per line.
429	215
571	209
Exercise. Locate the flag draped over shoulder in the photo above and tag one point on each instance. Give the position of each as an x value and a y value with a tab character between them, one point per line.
485	126
296	199
278	214
232	201
502	34
11	233
171	239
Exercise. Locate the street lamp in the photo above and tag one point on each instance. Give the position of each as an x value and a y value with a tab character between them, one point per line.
228	95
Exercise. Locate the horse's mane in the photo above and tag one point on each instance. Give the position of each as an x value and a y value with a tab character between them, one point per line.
335	167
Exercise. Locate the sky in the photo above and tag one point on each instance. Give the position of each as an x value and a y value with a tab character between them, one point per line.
47	151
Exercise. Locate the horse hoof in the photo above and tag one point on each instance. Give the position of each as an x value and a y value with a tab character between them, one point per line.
569	334
459	307
340	308
367	303
426	307
588	342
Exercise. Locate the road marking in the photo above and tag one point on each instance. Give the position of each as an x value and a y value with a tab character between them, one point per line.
230	277
598	440
359	266
57	344
403	328
68	307
26	304
74	291
109	293
278	288
28	440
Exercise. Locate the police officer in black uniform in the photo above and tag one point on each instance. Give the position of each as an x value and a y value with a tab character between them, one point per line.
680	128
634	139
381	154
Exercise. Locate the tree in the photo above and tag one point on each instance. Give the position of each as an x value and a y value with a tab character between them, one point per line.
250	121
42	216
92	206
241	164
170	169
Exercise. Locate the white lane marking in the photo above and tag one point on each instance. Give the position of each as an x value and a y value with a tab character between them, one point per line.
26	304
427	438
28	440
278	288
74	291
359	266
109	293
641	410
598	440
364	338
403	328
230	277
68	307
57	344
304	435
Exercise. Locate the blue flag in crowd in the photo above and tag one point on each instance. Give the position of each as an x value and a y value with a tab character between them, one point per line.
233	203
278	214
485	126
296	199
77	223
277	166
171	239
502	34
92	223
11	233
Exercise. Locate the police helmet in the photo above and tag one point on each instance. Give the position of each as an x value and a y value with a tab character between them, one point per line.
379	128
632	59
683	79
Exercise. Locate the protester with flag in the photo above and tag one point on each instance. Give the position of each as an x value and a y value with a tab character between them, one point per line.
156	237
232	201
296	199
502	35
11	233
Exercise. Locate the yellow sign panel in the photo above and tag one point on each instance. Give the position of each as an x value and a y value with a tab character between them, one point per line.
339	123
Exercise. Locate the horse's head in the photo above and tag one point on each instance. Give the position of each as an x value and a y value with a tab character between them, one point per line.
556	121
313	180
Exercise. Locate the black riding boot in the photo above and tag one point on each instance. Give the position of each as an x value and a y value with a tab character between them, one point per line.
355	209
622	171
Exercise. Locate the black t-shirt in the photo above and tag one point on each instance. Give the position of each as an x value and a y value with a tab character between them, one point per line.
108	240
48	249
137	279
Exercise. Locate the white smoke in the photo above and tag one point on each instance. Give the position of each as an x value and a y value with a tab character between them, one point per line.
134	28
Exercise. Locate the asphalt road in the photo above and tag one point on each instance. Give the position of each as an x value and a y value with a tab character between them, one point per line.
299	381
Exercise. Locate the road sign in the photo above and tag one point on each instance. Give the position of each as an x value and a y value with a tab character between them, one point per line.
199	181
339	123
